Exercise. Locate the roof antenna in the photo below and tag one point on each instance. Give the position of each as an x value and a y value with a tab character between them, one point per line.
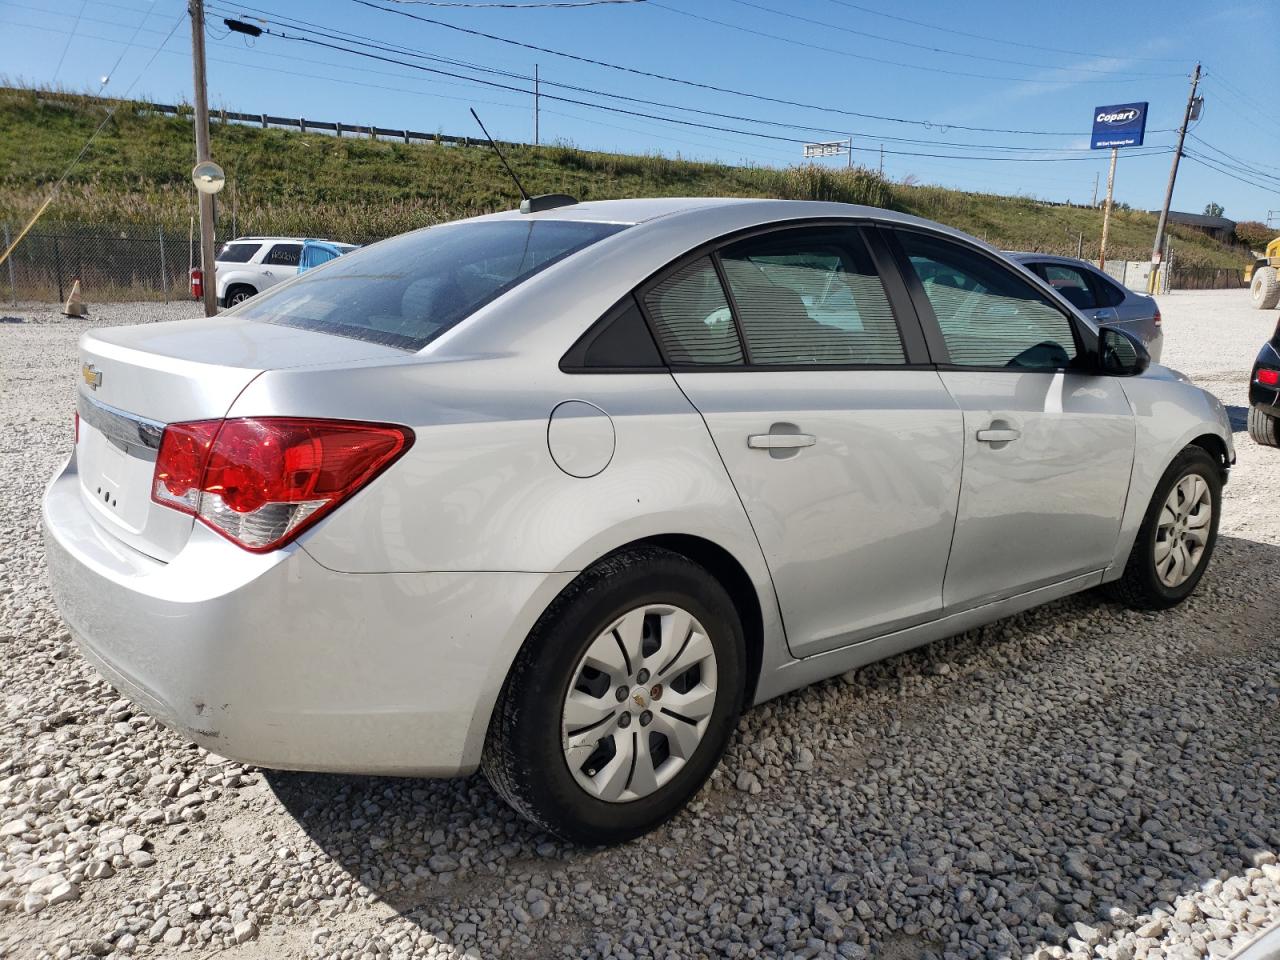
528	204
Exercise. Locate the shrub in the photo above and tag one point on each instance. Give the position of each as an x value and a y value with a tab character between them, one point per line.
1255	235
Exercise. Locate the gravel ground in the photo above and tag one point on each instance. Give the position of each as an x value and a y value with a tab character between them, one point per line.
1076	781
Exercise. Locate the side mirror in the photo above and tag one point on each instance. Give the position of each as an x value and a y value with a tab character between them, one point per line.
1120	353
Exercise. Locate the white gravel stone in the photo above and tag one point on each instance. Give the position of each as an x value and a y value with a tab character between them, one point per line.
1076	781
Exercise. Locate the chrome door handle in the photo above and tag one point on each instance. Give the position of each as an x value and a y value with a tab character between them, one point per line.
998	436
780	441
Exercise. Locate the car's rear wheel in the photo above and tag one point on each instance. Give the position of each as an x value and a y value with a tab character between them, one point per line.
622	699
238	293
1178	533
1264	429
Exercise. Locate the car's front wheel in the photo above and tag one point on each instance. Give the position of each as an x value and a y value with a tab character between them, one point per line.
622	699
1177	536
239	293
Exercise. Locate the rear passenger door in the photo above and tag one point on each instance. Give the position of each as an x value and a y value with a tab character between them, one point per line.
810	372
280	263
1048	443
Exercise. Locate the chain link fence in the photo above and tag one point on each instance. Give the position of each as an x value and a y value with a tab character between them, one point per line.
111	263
115	264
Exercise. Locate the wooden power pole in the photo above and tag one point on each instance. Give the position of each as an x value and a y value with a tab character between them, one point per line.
1157	247
1106	209
207	263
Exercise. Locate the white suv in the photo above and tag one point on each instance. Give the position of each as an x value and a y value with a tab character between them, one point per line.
248	265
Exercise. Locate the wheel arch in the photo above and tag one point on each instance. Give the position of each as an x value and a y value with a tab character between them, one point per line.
733	576
233	285
1216	447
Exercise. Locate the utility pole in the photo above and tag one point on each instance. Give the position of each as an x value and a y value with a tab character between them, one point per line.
851	151
1095	191
1157	247
1106	210
535	104
207	266
882	160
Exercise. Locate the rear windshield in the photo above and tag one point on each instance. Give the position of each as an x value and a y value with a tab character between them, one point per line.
408	290
238	252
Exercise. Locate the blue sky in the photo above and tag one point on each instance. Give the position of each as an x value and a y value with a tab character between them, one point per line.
837	57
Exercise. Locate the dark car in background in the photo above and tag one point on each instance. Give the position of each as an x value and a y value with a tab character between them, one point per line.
1264	393
1099	297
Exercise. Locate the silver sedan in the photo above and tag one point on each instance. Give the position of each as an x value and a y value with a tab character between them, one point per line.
1100	297
560	494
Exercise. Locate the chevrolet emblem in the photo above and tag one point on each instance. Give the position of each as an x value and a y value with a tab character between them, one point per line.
92	376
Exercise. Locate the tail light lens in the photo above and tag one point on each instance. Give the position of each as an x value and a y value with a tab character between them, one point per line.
261	481
1268	378
1158	319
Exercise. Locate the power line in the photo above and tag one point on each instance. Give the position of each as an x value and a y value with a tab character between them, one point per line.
1205	162
1237	164
399	49
978	36
650	116
1257	111
929	124
1247	165
828	25
70	36
870	59
111	112
516	6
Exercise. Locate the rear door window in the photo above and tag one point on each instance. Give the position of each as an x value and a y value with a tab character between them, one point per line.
406	291
284	255
811	297
1071	283
238	252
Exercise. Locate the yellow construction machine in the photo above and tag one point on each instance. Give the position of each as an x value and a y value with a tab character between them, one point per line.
1264	277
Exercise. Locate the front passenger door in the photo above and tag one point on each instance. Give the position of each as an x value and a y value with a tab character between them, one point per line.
1048	443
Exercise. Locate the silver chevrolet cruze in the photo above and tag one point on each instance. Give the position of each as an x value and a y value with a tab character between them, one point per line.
558	494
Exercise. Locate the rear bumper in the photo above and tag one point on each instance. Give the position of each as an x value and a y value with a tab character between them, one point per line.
277	661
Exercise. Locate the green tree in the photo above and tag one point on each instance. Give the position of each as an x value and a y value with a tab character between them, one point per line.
1213	209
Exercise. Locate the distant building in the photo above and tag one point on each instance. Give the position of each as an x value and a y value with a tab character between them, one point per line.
1220	228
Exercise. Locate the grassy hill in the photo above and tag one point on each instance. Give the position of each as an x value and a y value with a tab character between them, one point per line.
287	182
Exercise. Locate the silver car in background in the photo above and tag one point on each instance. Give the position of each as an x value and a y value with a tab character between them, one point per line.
561	493
1099	297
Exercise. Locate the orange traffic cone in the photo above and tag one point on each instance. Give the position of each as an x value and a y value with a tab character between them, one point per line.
75	306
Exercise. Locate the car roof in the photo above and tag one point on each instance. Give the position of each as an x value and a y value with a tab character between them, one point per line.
694	212
1023	257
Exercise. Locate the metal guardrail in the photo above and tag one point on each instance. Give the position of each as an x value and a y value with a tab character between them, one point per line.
302	124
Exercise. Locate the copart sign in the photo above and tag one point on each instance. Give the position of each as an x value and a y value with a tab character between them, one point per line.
1119	125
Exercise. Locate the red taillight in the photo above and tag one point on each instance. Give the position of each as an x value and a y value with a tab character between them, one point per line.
1268	378
262	481
1158	319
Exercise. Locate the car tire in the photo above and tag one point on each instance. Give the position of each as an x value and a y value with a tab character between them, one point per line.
527	754
1154	577
238	294
1265	288
1264	429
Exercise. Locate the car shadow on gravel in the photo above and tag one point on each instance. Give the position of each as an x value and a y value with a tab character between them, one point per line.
1080	762
1239	418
